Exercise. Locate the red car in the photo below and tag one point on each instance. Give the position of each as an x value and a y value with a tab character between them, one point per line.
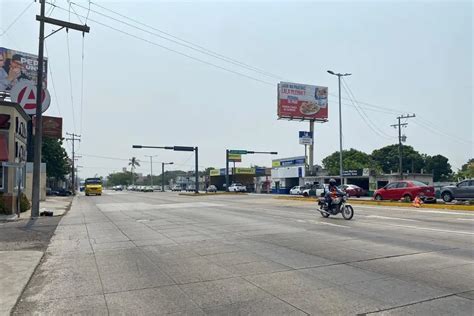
406	190
352	190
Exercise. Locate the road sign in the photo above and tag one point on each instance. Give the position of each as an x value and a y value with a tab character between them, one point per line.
24	93
306	138
235	157
238	152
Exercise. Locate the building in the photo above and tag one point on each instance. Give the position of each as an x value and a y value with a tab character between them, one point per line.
256	179
13	153
287	173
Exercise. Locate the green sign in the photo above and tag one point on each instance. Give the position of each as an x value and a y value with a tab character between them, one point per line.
238	152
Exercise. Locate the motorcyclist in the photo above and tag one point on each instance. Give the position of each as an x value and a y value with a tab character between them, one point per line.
331	193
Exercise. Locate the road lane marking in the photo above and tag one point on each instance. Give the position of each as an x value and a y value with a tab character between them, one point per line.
388	217
435	229
465	219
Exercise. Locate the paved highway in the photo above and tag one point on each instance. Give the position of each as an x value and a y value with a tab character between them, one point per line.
161	253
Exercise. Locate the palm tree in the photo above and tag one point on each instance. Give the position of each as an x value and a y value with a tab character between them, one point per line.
133	162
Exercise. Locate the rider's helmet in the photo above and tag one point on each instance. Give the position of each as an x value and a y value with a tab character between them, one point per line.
332	182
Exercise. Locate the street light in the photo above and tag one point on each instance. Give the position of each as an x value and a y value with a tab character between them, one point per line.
151	168
240	152
163	174
339	75
179	148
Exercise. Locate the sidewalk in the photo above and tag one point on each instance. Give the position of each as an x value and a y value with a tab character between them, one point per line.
23	242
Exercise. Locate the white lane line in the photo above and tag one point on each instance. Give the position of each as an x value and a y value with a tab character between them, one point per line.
388	217
330	224
414	210
465	219
436	230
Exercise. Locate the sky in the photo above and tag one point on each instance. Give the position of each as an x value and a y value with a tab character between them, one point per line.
118	85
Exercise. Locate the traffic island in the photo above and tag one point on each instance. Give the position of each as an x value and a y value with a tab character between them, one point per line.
444	206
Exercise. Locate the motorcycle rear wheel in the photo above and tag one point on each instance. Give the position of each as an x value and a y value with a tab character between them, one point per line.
348	212
324	214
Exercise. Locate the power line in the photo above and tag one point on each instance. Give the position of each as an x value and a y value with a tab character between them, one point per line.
105	157
70	81
52	82
82	82
178	52
17	18
180	41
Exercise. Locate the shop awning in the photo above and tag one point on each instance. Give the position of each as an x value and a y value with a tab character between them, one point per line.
3	148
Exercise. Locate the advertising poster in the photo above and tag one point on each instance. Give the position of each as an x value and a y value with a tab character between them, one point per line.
302	101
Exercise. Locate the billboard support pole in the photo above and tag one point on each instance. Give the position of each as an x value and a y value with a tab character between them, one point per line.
196	187
311	148
39	91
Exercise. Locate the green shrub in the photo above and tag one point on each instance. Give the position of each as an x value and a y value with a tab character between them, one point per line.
24	203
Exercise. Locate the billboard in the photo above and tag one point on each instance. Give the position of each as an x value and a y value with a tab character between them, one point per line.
52	126
17	66
302	101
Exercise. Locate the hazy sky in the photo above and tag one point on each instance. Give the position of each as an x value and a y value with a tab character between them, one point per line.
405	56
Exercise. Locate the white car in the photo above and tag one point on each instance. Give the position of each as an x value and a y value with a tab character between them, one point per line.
296	190
237	187
315	190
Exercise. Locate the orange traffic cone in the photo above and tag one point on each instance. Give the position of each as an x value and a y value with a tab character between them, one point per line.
417	202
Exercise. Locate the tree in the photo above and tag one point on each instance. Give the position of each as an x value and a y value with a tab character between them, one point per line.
56	159
351	159
388	159
440	168
133	162
119	178
467	170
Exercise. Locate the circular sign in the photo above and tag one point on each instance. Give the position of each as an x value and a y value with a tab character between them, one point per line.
24	93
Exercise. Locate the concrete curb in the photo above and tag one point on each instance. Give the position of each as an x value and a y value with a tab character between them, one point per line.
212	194
453	207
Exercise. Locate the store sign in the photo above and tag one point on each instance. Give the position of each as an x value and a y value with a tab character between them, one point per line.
287	162
302	101
235	157
244	170
352	173
214	172
52	126
24	93
306	138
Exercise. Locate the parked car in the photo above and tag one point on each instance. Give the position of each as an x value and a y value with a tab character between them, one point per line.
62	192
406	190
352	190
211	188
313	190
296	190
176	188
117	188
237	187
190	188
464	190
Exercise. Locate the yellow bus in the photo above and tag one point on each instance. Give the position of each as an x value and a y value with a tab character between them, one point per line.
93	186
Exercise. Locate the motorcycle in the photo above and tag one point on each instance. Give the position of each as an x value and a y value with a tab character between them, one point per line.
338	205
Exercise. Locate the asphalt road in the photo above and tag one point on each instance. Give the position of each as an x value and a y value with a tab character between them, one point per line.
160	253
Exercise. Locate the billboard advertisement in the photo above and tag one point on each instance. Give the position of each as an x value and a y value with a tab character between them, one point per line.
302	101
17	66
52	126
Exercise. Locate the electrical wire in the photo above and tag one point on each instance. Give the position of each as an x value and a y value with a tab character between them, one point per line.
70	82
179	41
431	129
178	52
52	82
17	18
82	84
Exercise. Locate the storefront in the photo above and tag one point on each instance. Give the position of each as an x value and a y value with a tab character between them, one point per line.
287	173
255	179
13	146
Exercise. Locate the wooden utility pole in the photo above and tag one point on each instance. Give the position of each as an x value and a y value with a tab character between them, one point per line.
401	139
74	138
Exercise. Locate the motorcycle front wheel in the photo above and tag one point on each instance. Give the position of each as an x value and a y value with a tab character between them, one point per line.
348	212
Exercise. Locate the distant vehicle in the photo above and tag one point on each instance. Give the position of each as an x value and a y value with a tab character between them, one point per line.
148	188
117	188
296	190
61	192
352	190
313	190
190	188
93	186
176	188
81	188
211	188
237	187
406	190
464	190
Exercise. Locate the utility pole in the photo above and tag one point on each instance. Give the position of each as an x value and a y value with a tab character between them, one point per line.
74	138
163	174
39	91
339	75
400	140
151	168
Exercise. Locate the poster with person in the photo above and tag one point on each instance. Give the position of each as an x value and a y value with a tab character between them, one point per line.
16	66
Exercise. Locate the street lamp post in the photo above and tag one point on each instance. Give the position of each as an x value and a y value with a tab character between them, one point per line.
163	174
339	75
151	168
179	148
241	152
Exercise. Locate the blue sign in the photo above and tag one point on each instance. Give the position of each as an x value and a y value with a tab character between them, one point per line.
292	162
306	138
